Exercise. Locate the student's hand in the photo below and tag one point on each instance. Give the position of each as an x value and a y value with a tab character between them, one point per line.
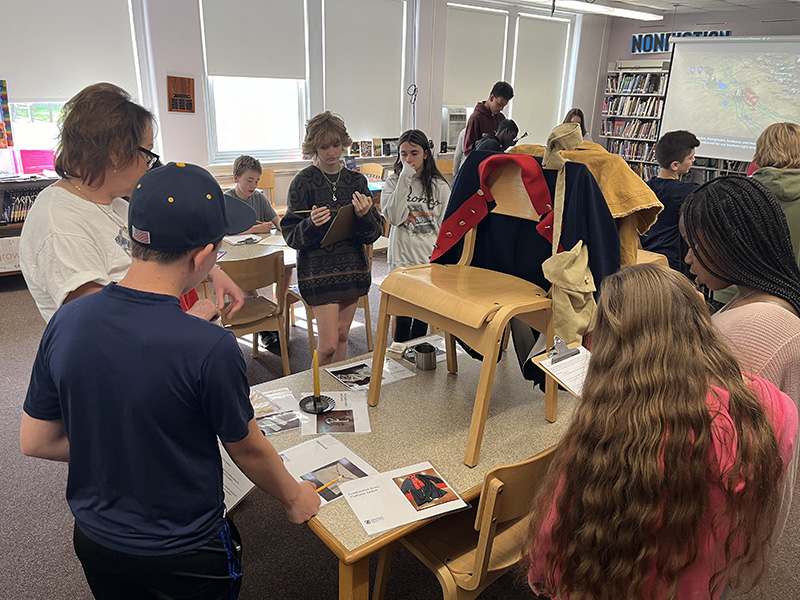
408	170
223	285
362	203
304	505
205	309
320	215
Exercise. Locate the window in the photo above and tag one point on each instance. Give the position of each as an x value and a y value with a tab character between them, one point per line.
256	115
256	82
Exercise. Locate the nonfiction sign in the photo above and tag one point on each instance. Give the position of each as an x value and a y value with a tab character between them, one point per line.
650	43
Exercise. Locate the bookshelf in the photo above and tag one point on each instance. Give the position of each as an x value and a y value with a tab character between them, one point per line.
631	113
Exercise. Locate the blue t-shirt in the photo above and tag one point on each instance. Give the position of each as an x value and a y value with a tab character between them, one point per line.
664	237
143	390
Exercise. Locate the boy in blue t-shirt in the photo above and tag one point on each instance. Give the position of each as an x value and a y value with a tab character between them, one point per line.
675	156
133	393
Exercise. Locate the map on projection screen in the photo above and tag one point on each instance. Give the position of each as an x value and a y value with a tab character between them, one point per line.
727	91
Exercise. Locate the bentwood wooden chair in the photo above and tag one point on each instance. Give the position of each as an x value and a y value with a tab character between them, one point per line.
469	550
371	170
259	313
267	184
293	296
471	303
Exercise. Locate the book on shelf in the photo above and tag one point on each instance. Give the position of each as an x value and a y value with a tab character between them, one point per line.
366	148
355	149
377	146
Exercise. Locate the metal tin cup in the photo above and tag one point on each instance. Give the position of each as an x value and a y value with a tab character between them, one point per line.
425	356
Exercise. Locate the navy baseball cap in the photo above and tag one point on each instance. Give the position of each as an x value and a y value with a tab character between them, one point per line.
181	206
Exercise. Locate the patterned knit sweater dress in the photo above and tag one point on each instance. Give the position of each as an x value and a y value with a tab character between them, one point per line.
340	271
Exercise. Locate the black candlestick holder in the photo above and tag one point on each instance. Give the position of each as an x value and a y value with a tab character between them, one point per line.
316	405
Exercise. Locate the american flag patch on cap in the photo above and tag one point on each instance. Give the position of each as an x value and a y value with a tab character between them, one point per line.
143	237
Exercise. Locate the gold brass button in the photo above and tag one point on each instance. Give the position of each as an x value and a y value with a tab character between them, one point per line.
462	223
449	234
480	192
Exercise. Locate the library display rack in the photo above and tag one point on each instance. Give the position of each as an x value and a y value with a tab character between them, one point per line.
16	198
631	115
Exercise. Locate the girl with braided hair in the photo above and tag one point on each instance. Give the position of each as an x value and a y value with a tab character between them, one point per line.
737	234
667	483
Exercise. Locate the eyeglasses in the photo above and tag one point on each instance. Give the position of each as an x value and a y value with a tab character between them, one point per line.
152	158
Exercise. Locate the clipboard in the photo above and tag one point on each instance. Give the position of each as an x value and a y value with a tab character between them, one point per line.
342	226
569	372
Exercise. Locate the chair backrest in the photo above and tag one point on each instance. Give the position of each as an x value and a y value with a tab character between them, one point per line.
258	272
373	169
506	496
445	166
267	183
509	193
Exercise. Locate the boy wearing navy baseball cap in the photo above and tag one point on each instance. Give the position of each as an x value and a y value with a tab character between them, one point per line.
133	393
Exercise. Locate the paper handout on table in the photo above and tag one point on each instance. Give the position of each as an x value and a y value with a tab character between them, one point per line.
356	375
401	496
242	239
349	415
571	371
235	484
325	459
276	410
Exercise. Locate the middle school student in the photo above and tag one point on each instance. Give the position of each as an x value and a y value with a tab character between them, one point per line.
246	173
487	115
133	393
667	483
331	279
778	157
413	201
575	115
675	156
506	134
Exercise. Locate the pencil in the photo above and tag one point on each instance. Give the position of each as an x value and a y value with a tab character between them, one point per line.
319	489
297	212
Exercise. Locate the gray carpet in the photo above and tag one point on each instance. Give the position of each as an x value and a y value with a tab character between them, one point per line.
281	560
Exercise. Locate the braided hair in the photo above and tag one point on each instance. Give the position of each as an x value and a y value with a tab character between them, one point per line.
738	233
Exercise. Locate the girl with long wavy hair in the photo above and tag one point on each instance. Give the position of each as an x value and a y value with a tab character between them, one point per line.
413	202
667	482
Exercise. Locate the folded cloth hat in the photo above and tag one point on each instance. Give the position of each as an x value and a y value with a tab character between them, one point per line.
181	206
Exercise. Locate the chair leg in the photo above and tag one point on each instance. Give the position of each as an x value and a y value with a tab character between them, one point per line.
481	408
550	385
367	322
284	349
452	357
382	573
255	344
378	356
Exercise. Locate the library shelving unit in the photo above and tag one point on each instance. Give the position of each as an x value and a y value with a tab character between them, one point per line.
632	106
16	198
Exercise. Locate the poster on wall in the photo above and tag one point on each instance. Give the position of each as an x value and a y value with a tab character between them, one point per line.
6	139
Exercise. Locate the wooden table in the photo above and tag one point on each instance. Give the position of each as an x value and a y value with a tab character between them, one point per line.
270	242
426	418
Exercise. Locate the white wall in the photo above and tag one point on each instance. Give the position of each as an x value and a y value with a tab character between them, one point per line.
174	45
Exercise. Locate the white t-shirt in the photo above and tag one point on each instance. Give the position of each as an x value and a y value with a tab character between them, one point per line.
68	241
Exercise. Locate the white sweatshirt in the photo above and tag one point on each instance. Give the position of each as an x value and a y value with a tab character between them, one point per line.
415	219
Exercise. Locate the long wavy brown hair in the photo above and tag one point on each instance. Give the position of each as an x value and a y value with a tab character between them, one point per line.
631	480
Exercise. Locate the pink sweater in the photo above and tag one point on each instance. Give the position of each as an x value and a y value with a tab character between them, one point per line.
765	338
694	583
